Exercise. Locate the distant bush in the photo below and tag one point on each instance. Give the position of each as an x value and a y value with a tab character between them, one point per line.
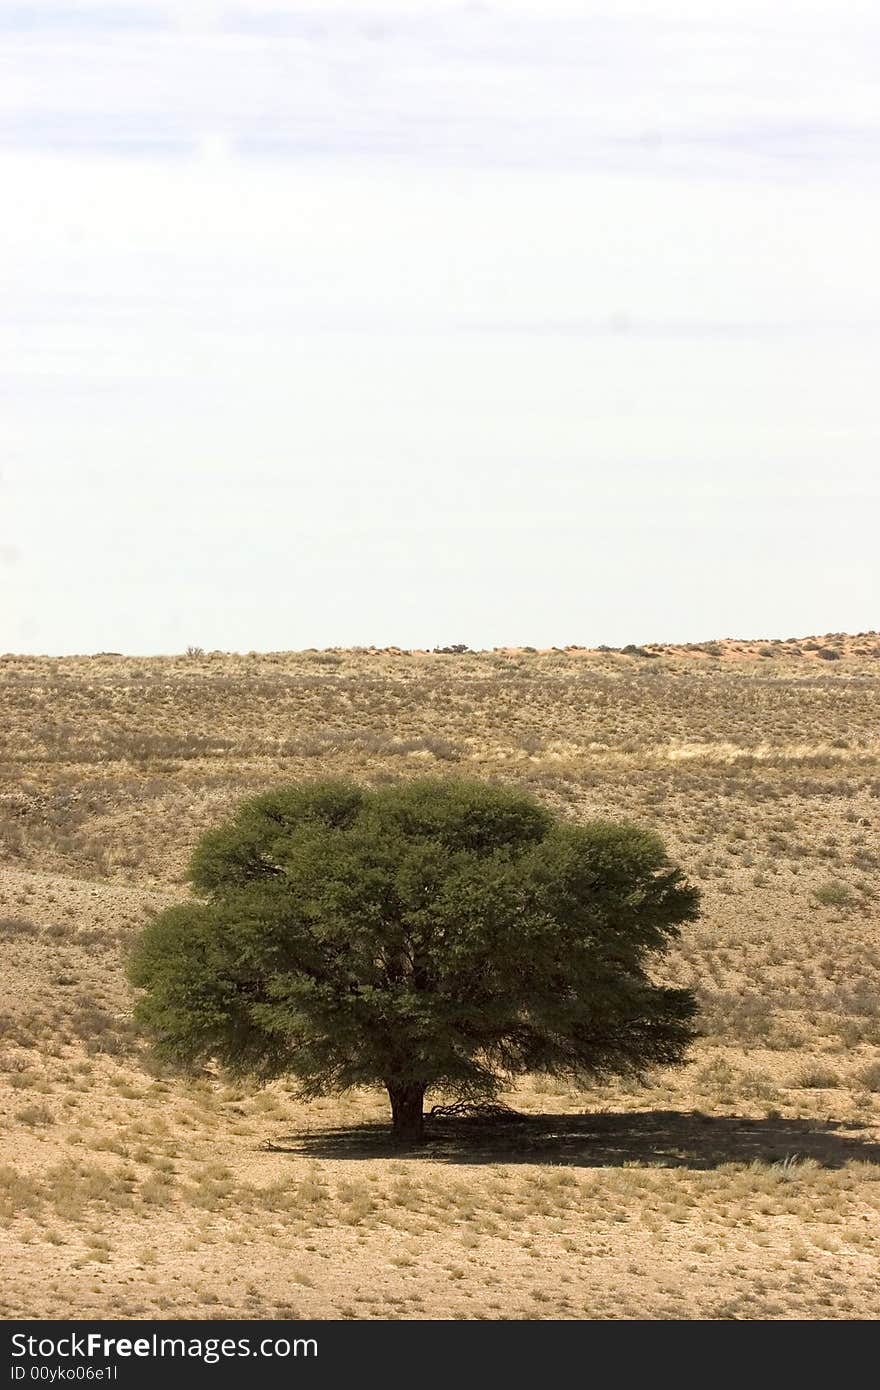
833	893
14	928
869	1077
828	654
34	1115
441	748
817	1079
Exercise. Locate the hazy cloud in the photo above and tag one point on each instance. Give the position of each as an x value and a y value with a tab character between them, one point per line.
410	322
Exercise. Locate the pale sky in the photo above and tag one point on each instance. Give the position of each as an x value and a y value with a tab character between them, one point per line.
415	323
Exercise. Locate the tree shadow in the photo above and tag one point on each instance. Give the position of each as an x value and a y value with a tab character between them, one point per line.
663	1138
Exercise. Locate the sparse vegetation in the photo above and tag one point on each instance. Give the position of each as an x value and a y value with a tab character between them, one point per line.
869	1076
833	893
736	1187
817	1079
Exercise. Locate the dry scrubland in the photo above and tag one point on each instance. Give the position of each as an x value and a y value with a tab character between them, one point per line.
744	1185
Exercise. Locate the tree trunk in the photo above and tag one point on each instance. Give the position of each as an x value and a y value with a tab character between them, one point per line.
406	1111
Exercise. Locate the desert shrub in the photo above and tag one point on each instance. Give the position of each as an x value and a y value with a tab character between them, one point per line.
15	928
833	893
869	1077
816	1078
442	749
34	1116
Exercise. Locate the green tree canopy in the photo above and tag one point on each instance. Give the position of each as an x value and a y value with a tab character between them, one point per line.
430	935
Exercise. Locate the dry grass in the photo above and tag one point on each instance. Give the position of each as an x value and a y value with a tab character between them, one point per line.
744	1185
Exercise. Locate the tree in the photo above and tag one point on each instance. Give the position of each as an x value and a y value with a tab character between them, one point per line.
430	935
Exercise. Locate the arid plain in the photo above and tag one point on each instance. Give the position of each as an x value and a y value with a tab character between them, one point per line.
744	1185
